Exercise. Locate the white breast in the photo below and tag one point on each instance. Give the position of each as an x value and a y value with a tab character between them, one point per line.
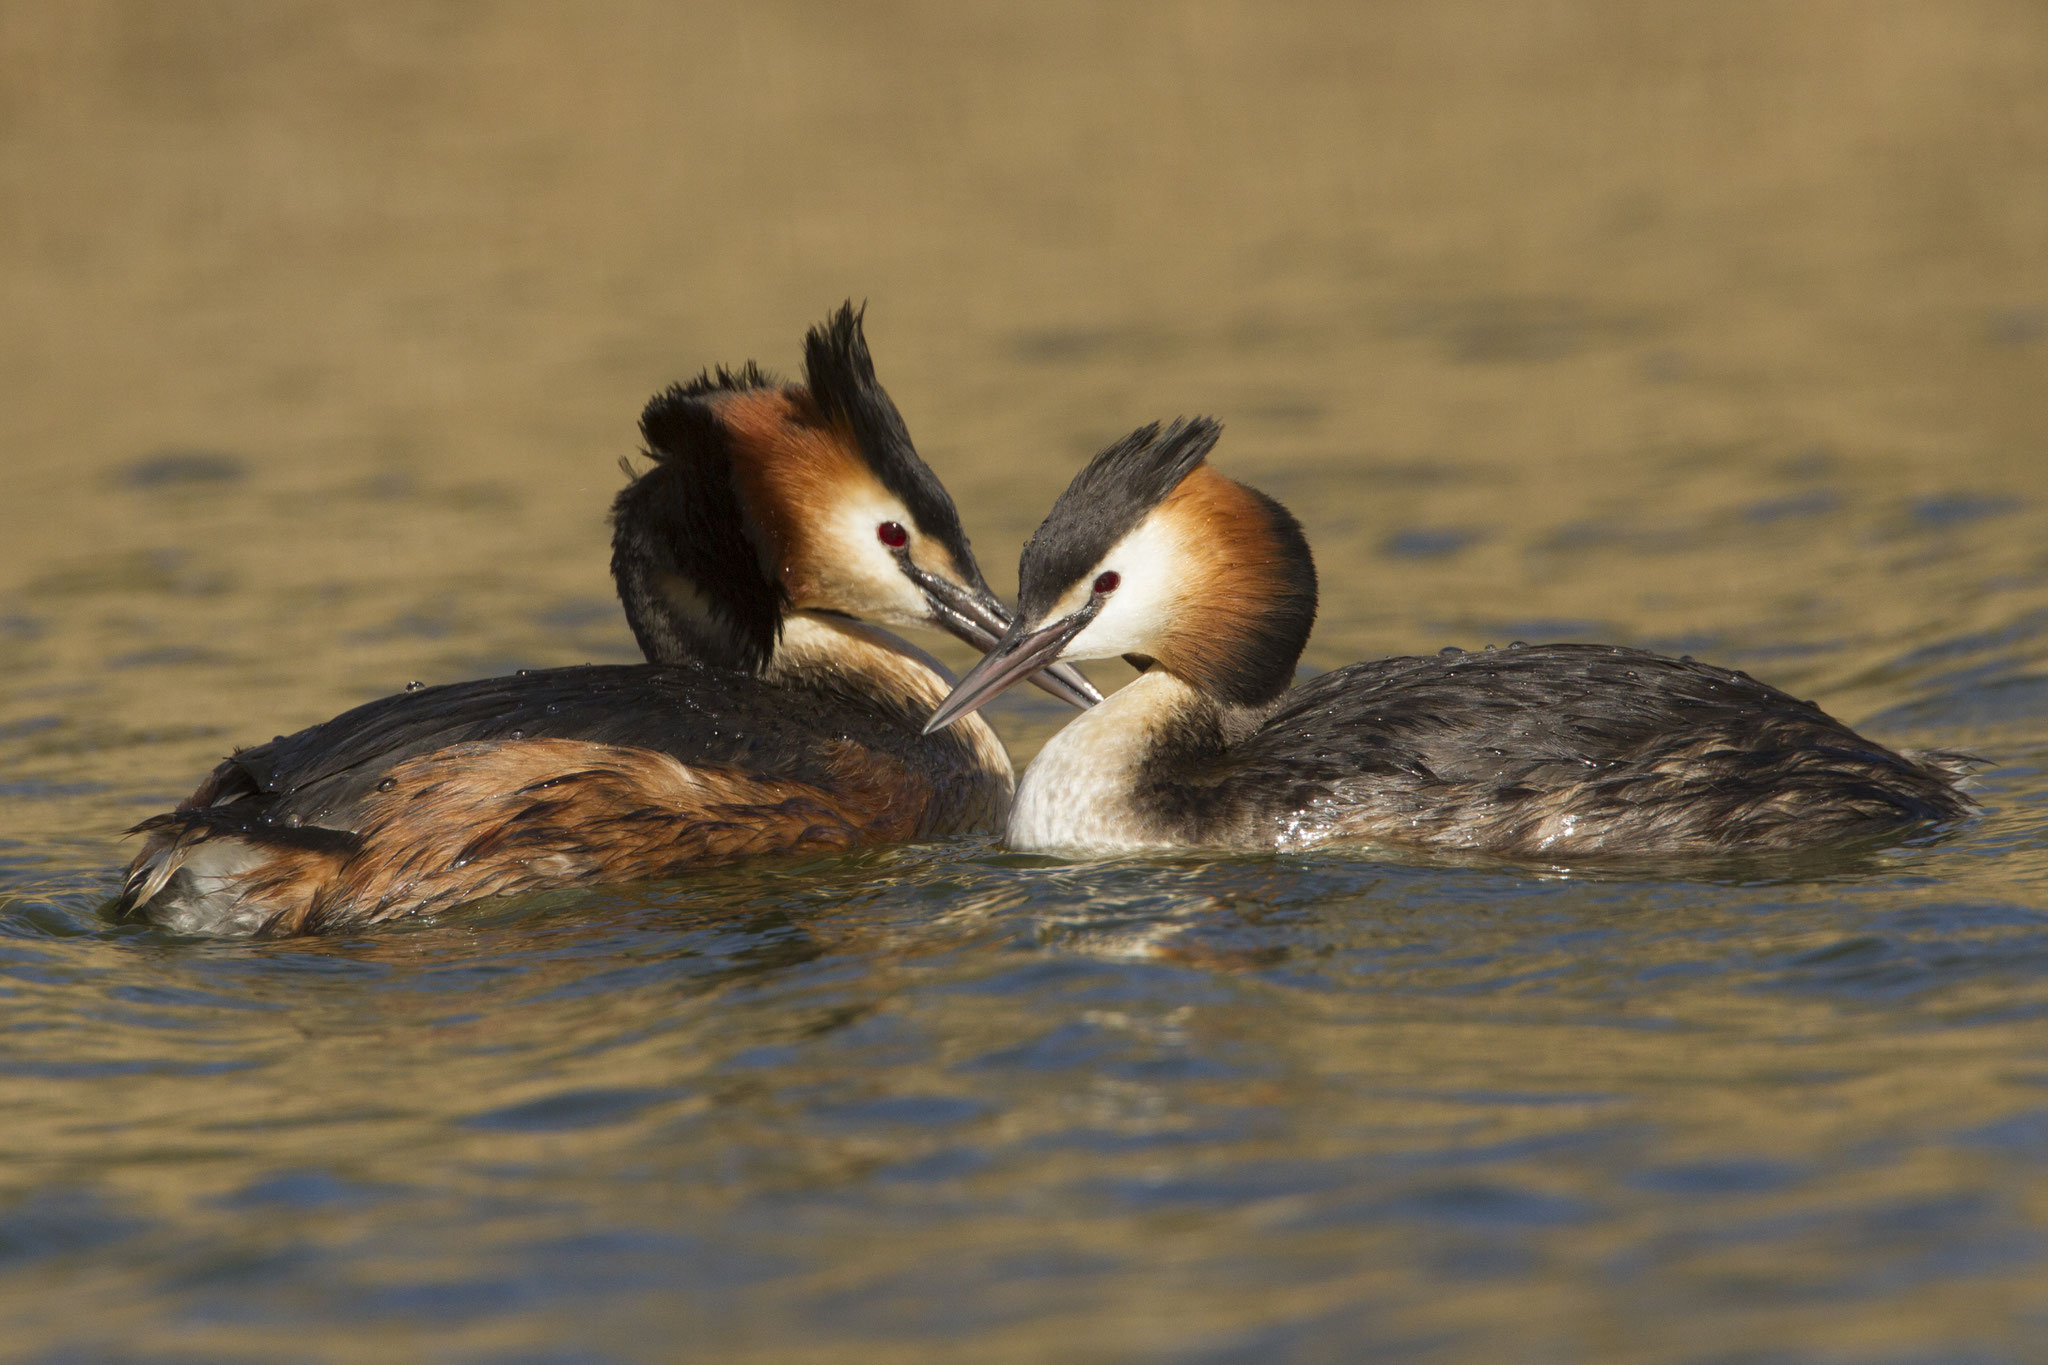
1077	794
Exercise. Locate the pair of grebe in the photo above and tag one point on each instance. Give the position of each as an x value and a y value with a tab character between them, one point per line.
780	525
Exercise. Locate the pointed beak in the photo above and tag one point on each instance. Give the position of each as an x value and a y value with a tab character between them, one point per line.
1018	655
977	616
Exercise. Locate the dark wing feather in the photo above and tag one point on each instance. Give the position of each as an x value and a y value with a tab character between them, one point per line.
699	715
553	778
1478	748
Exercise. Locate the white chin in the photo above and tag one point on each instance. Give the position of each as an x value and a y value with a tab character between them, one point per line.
1106	638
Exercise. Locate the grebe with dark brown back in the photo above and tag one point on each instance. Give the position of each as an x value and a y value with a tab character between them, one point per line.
1558	752
777	523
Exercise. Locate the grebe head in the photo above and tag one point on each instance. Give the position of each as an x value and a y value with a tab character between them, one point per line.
769	498
1152	553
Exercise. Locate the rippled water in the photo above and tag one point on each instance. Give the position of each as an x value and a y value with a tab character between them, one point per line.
1721	332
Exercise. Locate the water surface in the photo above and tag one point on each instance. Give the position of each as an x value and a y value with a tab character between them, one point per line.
1719	332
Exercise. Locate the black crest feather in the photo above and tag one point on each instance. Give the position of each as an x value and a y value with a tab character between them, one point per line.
682	519
674	419
841	376
713	381
1105	502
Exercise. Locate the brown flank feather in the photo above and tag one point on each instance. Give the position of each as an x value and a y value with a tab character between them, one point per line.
497	818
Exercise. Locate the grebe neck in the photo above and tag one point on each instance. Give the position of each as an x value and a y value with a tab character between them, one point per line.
1089	788
817	645
827	649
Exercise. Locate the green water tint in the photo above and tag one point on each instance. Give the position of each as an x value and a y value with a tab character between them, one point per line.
1720	334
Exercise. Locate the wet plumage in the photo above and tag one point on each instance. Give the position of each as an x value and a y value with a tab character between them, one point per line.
1557	752
1545	751
423	800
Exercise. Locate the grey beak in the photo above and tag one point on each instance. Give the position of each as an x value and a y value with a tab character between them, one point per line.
1018	655
982	620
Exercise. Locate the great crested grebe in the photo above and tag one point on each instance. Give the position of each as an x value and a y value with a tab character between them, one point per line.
1552	752
768	718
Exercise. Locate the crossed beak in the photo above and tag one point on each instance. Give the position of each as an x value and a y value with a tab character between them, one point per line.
1020	653
978	617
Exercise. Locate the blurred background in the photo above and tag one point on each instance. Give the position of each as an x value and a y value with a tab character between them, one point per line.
1462	279
1718	329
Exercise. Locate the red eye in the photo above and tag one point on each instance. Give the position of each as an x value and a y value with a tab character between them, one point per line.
1107	582
892	534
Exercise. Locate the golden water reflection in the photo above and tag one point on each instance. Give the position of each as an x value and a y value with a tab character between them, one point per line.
1720	330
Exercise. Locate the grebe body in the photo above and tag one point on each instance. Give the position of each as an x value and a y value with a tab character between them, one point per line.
1559	752
776	524
559	777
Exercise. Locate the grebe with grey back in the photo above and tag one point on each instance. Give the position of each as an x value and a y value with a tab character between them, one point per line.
1554	752
776	523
